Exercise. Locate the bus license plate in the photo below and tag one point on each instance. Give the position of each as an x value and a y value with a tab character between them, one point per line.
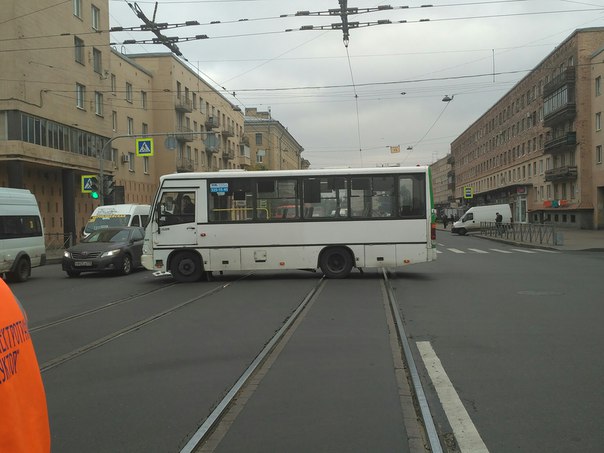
82	263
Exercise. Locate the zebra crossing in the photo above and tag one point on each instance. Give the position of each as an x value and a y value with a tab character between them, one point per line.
441	248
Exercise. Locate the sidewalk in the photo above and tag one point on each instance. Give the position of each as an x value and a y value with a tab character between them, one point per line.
572	239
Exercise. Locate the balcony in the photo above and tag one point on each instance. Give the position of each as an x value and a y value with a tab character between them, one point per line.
183	104
245	140
211	122
564	173
560	145
228	154
567	77
184	165
228	132
565	113
184	134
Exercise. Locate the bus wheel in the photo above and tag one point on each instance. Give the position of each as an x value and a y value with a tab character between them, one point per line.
336	262
186	267
22	271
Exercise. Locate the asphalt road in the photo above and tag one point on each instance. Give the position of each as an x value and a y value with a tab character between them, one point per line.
517	332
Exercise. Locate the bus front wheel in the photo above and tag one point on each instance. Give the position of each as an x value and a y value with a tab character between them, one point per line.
186	267
336	262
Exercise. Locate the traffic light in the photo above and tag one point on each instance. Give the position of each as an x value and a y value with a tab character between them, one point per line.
108	185
108	188
94	188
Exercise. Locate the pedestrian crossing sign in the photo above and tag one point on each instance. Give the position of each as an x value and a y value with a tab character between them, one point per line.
144	147
468	192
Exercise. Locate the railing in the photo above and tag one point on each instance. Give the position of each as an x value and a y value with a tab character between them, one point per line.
58	241
530	233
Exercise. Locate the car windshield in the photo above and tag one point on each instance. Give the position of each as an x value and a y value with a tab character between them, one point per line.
108	236
106	221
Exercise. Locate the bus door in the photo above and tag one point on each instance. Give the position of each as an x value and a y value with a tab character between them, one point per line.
176	216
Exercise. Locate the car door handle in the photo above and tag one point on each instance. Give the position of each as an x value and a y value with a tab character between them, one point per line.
190	228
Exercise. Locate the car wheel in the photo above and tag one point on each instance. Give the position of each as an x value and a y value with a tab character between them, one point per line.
463	232
73	273
186	267
126	265
336	262
22	271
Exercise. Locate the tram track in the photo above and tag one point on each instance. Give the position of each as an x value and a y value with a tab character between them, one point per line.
422	435
53	363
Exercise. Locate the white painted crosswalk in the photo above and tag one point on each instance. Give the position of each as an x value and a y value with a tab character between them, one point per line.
442	249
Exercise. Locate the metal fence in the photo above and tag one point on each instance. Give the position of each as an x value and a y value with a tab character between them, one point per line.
58	241
532	233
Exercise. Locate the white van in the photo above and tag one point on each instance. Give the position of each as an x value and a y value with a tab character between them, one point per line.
471	219
116	215
21	234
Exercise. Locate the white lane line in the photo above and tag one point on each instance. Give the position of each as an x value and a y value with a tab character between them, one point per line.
478	251
547	251
466	434
524	251
501	251
456	251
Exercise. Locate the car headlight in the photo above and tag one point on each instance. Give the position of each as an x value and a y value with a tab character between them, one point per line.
66	254
111	253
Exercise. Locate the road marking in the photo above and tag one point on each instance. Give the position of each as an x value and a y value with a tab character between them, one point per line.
524	251
466	434
456	251
547	251
501	251
478	251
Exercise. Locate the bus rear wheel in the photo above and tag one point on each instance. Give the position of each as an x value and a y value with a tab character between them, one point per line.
336	262
186	267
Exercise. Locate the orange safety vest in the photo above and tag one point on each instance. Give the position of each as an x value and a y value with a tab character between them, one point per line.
24	426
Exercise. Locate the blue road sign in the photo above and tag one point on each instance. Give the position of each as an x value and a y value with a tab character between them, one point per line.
144	146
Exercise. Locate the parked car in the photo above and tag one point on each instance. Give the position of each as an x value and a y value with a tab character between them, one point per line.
115	250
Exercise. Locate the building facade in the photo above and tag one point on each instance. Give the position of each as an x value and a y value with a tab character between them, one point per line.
71	105
535	149
271	144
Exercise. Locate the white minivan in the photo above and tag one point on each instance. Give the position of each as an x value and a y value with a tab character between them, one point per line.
471	219
21	234
116	215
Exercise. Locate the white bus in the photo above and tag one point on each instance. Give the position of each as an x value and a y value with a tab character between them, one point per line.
334	220
21	234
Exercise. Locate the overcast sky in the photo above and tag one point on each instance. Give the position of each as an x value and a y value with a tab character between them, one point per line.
347	106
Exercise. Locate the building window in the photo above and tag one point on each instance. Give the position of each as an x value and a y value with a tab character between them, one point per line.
130	126
144	100
79	49
598	86
77	8
129	92
146	164
97	60
598	121
599	154
98	103
114	121
96	17
131	161
80	95
113	84
258	139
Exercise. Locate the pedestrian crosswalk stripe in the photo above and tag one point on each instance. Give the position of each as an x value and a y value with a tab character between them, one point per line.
524	251
456	251
478	251
501	251
547	251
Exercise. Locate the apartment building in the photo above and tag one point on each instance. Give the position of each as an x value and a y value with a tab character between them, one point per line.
597	139
71	105
271	144
443	183
535	148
